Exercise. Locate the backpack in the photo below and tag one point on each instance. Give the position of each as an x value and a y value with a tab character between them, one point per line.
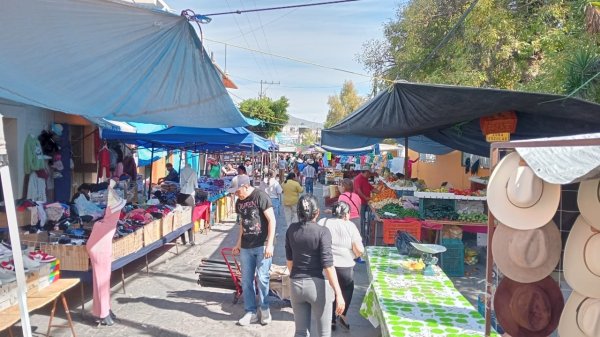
403	240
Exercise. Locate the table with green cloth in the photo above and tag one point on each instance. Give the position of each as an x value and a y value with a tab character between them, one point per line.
406	303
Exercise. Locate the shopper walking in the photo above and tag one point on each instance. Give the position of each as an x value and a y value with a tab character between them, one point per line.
291	195
273	189
309	173
282	165
309	255
352	199
255	247
363	188
346	247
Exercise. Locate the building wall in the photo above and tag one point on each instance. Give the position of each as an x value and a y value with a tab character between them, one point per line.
445	168
21	121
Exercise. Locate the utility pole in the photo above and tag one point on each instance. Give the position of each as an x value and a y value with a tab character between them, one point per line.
261	94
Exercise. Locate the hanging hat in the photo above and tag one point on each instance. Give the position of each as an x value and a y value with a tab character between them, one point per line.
527	256
588	200
518	198
528	309
57	129
581	262
581	317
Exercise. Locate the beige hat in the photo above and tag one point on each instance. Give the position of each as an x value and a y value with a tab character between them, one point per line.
528	309
581	262
518	198
580	317
588	200
529	255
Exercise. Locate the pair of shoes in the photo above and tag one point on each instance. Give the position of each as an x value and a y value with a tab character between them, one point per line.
265	316
344	321
248	318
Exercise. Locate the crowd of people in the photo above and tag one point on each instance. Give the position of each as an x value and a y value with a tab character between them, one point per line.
321	252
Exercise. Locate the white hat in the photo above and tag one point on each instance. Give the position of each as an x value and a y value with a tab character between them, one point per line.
588	200
580	317
518	198
581	262
237	182
527	256
310	161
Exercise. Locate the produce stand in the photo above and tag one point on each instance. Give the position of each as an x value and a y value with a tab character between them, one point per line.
406	303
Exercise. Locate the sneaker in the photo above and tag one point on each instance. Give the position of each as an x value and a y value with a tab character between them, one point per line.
265	316
248	318
7	245
5	252
30	262
7	276
42	257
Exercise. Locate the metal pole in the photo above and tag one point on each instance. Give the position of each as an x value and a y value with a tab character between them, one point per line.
13	229
205	162
489	268
180	157
151	164
252	161
406	163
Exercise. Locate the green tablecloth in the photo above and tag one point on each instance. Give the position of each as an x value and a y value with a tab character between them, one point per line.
409	304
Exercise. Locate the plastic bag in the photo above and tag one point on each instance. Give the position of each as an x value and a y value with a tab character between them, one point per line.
403	240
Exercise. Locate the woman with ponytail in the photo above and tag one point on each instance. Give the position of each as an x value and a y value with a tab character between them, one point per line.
314	283
346	247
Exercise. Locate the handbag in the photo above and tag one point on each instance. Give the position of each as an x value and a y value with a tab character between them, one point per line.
403	244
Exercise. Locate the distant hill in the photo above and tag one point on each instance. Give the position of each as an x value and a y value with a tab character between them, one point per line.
305	123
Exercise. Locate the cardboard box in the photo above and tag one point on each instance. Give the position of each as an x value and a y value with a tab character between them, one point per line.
23	218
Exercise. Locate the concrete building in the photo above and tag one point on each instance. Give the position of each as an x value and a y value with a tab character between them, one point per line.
297	130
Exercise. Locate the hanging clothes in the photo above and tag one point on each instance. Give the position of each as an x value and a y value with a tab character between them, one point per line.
188	180
62	185
33	159
103	163
129	167
36	189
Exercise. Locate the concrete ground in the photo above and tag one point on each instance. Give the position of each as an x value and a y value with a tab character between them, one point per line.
167	301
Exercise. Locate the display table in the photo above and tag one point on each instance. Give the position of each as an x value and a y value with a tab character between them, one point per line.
409	304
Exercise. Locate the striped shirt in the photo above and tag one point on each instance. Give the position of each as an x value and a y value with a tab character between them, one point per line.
308	171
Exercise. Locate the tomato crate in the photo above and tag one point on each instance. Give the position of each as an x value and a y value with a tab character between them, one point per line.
453	259
392	226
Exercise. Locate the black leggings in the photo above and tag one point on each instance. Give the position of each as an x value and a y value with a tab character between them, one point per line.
345	276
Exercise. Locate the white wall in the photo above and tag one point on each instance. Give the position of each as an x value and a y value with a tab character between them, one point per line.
21	121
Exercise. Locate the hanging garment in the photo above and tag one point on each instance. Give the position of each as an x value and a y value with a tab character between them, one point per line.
62	185
33	159
103	163
36	189
119	170
188	180
129	167
99	247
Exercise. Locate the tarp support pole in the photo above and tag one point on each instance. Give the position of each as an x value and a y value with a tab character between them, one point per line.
406	163
180	158
205	162
151	164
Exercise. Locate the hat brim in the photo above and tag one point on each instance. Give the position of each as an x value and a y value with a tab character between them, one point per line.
578	276
568	320
502	307
503	235
588	200
506	212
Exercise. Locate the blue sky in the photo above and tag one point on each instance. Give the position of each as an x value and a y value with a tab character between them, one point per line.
330	35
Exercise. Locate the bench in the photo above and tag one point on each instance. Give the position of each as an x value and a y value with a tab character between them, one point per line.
37	299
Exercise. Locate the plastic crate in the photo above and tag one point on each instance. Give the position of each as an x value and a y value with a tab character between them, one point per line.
481	310
392	226
453	259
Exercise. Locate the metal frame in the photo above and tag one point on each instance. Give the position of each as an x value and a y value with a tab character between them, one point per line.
494	159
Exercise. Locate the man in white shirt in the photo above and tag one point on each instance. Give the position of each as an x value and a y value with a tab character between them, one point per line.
309	173
282	165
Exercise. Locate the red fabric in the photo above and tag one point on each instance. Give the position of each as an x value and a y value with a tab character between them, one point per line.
409	168
201	211
361	183
104	163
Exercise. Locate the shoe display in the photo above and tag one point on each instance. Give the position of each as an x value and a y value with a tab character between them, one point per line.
248	318
5	252
7	245
265	316
42	256
7	272
30	262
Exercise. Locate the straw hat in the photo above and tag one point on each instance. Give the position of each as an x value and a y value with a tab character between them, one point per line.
528	309
580	318
518	198
527	256
581	262
588	200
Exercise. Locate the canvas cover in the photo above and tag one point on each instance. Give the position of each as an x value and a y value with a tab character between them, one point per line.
110	59
449	115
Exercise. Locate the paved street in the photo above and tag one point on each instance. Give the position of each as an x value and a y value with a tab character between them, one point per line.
168	302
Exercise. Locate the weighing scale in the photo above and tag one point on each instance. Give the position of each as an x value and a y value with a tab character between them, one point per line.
428	250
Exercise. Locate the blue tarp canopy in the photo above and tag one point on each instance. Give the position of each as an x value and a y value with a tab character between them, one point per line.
113	60
449	115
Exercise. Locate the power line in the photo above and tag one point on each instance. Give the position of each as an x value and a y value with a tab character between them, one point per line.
281	7
262	26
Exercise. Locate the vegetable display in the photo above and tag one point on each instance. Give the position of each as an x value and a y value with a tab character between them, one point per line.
473	217
384	193
398	211
440	212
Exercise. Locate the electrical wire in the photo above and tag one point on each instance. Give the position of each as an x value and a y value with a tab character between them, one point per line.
281	7
263	25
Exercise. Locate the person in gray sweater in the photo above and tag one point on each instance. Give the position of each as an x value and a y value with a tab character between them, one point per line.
346	247
309	256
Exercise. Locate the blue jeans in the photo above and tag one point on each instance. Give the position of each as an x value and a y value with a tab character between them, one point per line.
308	183
254	264
276	205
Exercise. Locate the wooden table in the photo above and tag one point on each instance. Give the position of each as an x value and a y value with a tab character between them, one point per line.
38	299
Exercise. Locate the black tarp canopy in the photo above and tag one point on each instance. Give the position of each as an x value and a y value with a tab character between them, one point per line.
449	115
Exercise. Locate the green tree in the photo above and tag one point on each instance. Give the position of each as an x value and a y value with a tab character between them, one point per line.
308	138
530	45
273	114
342	104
